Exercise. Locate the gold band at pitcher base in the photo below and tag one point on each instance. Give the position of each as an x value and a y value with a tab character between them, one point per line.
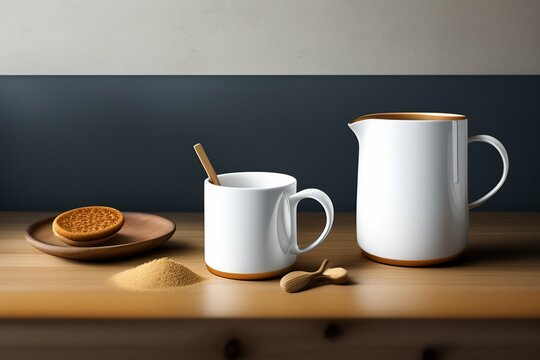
410	263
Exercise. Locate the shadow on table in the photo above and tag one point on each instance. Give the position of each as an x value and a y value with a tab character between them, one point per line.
168	249
511	251
499	252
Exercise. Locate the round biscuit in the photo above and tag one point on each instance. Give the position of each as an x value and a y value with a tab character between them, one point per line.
88	223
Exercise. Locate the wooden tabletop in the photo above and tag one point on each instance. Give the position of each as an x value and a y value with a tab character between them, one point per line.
498	277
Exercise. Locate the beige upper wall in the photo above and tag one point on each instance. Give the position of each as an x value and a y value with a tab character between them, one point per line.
270	37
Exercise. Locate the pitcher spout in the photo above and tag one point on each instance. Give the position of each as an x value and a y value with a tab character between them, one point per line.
355	126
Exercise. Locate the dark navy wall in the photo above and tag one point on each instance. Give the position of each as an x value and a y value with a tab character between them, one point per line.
127	141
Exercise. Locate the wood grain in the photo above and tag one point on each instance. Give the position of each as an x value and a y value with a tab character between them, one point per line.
294	339
498	277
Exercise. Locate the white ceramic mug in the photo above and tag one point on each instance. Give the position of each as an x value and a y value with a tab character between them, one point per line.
250	224
412	202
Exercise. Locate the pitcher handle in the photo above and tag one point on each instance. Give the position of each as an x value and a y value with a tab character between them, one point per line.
506	164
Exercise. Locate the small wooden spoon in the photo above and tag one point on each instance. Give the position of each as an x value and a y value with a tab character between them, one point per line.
207	165
297	280
337	275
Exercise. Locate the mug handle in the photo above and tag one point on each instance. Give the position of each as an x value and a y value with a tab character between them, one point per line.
328	207
504	156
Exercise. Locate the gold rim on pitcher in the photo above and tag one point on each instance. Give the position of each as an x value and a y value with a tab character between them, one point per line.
410	116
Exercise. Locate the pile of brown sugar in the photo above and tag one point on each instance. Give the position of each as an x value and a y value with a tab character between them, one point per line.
157	274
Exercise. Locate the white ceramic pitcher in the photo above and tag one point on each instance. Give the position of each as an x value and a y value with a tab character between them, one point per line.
412	203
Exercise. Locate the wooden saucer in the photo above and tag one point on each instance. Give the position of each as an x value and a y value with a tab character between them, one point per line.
140	233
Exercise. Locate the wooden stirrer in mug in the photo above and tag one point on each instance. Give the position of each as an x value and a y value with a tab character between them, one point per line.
207	165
